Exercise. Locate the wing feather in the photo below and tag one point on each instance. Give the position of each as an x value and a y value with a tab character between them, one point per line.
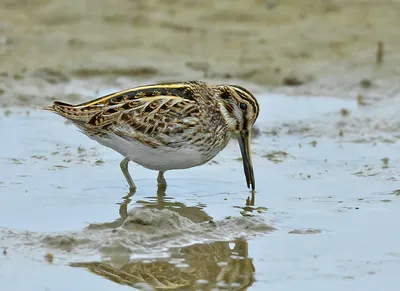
153	121
155	115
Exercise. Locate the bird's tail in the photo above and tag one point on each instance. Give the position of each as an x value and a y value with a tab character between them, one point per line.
67	111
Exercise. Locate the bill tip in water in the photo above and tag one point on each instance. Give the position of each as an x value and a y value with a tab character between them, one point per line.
253	186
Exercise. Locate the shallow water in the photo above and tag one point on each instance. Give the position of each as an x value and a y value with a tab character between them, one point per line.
325	214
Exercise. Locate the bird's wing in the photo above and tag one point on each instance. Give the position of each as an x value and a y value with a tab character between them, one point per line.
155	121
154	115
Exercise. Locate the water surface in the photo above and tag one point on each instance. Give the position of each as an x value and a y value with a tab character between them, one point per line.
325	214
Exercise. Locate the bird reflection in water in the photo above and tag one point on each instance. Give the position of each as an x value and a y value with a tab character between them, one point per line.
161	201
206	266
196	267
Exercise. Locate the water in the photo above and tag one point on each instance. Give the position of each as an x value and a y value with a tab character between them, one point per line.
324	216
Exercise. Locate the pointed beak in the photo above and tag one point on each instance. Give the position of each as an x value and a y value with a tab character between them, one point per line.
244	143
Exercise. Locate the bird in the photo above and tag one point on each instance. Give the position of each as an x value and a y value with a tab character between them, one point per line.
168	126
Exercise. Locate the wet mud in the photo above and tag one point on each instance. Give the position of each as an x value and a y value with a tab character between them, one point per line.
321	197
337	47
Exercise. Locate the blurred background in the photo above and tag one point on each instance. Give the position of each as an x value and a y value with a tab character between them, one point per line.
314	47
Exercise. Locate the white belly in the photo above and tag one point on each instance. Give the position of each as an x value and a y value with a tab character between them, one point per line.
160	159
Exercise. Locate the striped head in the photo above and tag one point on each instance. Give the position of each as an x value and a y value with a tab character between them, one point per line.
240	110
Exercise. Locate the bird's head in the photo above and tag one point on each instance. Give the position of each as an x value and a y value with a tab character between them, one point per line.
240	109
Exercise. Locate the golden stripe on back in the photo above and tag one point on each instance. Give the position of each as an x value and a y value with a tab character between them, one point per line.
182	90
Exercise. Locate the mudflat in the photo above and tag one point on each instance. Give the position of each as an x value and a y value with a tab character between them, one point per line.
328	47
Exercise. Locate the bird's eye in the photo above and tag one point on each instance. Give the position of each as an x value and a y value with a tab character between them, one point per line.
243	106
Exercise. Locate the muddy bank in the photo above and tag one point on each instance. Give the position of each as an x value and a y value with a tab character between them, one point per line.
309	47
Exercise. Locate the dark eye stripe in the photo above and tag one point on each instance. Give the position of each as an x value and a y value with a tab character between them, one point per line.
245	121
246	95
230	109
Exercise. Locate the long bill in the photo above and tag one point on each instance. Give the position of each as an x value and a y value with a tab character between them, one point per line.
244	143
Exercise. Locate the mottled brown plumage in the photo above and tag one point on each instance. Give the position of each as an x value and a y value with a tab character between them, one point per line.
167	126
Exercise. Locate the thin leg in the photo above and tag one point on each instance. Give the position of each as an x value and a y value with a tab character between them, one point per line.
124	169
161	179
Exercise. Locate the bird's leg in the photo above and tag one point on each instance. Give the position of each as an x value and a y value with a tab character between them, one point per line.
160	179
124	169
